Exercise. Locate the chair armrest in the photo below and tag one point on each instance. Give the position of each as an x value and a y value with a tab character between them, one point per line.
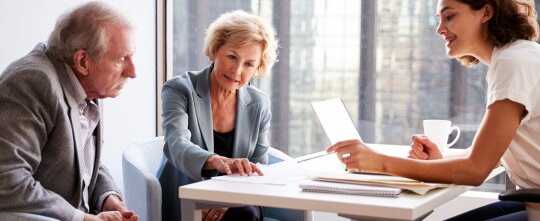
522	195
275	155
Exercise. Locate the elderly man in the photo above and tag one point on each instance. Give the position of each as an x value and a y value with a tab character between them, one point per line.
50	136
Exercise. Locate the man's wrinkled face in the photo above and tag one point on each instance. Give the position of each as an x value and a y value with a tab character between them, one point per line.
108	74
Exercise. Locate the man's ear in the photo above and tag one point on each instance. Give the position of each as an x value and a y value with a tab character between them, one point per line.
80	62
211	58
488	13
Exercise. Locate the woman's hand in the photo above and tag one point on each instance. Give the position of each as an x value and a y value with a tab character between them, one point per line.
214	214
357	156
244	167
422	148
110	216
229	166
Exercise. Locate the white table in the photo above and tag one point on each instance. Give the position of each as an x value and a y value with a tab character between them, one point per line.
408	206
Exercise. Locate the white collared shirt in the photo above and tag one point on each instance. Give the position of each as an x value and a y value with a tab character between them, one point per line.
89	119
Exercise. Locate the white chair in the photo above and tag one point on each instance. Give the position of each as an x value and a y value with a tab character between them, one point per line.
141	164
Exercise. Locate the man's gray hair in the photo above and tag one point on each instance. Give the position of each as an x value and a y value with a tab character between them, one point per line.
85	27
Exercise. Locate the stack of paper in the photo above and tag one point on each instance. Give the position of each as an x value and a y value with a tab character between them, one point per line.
414	186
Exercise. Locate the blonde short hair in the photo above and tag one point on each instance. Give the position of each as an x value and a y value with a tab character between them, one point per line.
85	27
241	28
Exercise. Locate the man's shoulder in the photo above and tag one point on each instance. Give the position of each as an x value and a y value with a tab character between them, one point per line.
34	72
35	61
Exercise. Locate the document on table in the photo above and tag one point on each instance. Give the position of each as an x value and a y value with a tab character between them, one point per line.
335	120
282	173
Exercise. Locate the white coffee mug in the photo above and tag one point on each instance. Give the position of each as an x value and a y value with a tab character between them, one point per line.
438	131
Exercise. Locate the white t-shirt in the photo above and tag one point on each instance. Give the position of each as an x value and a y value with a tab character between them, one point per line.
514	74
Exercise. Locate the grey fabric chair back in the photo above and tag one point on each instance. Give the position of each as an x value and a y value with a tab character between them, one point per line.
141	164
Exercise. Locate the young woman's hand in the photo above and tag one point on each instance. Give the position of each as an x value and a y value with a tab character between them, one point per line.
422	148
357	156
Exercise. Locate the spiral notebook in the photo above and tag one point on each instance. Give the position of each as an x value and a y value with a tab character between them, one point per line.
344	188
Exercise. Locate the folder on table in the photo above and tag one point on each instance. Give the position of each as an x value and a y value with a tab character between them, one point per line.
403	183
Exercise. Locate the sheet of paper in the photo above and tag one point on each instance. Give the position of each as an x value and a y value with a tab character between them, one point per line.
283	173
335	120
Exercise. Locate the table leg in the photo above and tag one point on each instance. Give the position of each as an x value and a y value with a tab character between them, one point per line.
308	215
190	211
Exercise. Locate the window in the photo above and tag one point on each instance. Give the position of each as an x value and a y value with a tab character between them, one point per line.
385	61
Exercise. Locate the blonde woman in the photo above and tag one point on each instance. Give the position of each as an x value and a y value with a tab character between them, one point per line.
215	122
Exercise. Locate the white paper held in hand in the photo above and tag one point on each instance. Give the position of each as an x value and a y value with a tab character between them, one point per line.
335	120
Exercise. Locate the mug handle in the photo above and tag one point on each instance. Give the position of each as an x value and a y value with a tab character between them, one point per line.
457	136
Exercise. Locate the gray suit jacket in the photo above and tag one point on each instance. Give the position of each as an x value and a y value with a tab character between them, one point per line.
189	141
39	136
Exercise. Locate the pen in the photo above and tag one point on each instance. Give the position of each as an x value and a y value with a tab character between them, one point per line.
314	156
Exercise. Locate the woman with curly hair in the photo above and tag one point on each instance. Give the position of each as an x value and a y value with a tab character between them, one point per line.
500	34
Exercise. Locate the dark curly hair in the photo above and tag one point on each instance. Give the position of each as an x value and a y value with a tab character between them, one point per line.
512	20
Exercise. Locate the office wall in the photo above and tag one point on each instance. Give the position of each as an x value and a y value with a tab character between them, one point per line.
127	118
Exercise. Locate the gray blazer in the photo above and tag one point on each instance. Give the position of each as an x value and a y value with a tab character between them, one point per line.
189	141
39	161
